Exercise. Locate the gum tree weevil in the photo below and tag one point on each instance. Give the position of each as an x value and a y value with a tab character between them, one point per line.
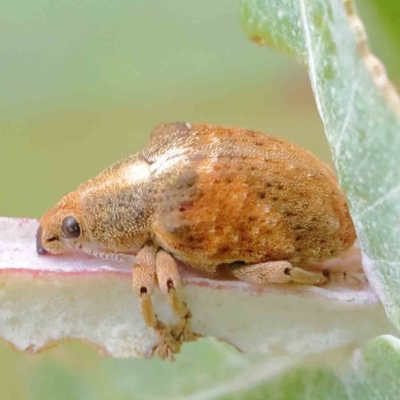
263	208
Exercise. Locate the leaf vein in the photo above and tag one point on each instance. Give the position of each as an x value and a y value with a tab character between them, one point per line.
311	58
349	112
387	196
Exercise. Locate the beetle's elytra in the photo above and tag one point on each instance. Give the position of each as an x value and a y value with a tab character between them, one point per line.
208	196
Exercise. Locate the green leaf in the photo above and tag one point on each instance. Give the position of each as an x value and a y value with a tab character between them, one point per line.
360	111
374	375
386	35
211	370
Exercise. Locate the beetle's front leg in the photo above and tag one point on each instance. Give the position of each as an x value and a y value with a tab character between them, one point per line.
169	280
143	275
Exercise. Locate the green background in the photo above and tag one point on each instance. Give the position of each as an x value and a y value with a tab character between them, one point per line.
82	84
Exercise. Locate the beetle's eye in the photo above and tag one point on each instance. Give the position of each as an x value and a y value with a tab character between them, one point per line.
70	228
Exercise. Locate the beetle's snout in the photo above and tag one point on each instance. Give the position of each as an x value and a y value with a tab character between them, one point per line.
39	246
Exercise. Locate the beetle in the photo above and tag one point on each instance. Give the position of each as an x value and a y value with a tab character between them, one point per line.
210	196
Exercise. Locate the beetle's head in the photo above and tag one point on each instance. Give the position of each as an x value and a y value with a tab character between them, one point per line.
61	226
108	213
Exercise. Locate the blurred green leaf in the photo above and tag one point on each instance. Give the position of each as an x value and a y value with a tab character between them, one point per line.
381	17
211	370
389	12
205	369
374	374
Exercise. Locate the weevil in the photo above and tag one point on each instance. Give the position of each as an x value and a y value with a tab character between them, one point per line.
210	196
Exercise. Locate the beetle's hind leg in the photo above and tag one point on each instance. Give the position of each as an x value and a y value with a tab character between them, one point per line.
277	272
143	275
169	281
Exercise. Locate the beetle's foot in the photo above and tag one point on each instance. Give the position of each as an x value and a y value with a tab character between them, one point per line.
351	281
164	352
167	345
182	331
185	335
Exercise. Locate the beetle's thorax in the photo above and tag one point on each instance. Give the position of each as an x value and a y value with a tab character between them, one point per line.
113	211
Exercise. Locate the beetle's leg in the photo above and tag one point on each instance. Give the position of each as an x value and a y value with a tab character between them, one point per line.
169	280
277	272
352	280
143	275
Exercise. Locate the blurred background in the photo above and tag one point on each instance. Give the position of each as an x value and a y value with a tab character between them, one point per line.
82	84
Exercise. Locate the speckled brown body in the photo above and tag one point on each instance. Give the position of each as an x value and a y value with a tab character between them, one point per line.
209	196
239	195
